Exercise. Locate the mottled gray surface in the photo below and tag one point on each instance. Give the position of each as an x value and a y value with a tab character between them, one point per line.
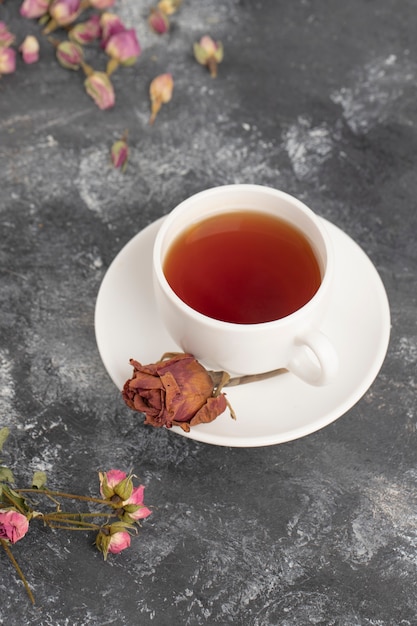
319	99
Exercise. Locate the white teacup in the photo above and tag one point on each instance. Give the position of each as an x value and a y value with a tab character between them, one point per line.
295	341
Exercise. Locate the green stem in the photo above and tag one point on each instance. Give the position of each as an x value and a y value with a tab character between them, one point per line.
18	570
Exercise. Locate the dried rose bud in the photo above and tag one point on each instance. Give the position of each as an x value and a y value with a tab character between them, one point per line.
173	392
7	61
86	32
34	8
102	4
6	37
64	12
160	91
169	6
110	25
158	21
113	538
120	153
100	89
123	49
70	55
210	53
30	49
115	483
133	507
13	525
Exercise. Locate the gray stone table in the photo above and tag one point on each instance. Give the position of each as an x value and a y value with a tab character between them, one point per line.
318	99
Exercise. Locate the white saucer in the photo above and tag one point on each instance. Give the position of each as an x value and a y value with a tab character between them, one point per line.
271	411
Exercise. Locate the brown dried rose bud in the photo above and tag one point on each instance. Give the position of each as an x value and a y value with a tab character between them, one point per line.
210	53
160	91
174	392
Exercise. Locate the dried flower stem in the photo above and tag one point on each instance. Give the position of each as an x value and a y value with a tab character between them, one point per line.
18	570
71	496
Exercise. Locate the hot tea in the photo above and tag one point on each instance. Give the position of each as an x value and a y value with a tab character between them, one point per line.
244	267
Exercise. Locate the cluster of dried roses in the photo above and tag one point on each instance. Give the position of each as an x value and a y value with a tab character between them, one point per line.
119	43
121	507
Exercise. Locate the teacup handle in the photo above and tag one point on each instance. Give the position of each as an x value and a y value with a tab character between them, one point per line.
314	358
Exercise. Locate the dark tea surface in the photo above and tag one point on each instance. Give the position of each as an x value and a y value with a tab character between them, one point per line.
243	267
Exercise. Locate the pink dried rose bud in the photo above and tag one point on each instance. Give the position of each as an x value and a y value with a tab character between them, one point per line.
13	525
7	61
34	8
209	53
70	55
100	89
118	488
115	483
160	91
110	25
120	153
174	392
30	49
169	6
158	21
86	32
133	507
64	12
102	4
6	37
112	539
123	47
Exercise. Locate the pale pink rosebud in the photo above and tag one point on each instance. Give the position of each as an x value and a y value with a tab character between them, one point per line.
30	49
70	55
124	47
34	8
169	6
158	21
120	153
86	32
133	507
102	4
100	89
115	483
112	539
110	25
7	61
65	12
13	525
209	53
160	92
6	37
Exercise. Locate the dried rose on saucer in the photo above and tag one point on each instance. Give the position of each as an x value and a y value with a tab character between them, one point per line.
175	391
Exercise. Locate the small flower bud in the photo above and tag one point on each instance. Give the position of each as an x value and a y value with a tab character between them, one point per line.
70	55
100	89
113	539
123	47
160	92
7	60
30	49
120	153
110	25
65	12
86	32
34	8
158	21
169	6
6	37
210	53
